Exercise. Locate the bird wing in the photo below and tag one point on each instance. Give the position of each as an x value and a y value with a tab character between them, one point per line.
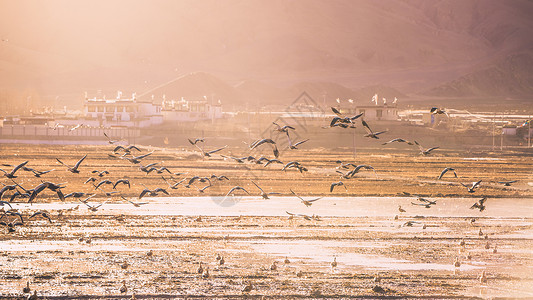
313	200
333	121
118	148
216	150
367	128
475	184
335	111
161	190
133	147
62	163
356	117
236	188
275	151
442	173
301	142
2	203
419	146
79	162
476	205
258	187
432	148
296	195
143	193
143	156
18	167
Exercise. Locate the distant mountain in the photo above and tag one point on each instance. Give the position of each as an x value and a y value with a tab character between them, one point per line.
259	93
60	47
512	76
194	86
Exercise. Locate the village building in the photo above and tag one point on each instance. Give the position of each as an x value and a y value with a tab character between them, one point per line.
128	112
184	110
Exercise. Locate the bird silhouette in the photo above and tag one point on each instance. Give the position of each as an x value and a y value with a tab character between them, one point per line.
472	188
15	169
480	204
370	133
73	169
334	184
446	170
307	203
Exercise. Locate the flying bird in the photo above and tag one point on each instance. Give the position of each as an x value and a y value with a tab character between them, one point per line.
233	189
294	146
480	204
43	214
123	181
263	193
136	204
102	183
446	170
283	129
260	142
76	195
136	159
73	169
7	188
208	153
152	193
92	208
11	225
109	140
307	203
424	202
175	185
471	189
369	131
507	183
425	151
438	111
100	173
333	185
126	149
195	141
47	185
399	140
15	169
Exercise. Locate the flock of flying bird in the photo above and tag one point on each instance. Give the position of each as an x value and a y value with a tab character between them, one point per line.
11	218
131	154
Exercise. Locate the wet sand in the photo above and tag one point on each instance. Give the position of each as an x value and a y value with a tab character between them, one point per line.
82	253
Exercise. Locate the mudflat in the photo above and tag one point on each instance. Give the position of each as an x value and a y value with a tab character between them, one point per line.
353	242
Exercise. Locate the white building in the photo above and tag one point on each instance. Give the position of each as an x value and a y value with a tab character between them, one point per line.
121	112
190	110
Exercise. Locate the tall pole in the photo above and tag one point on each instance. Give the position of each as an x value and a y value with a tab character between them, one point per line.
529	131
493	134
501	136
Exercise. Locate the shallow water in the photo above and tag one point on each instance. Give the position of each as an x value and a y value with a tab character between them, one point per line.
327	206
324	251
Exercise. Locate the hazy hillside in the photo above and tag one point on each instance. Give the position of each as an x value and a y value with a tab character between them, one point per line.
66	47
513	76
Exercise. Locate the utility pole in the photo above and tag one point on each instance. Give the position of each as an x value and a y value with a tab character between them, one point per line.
501	136
529	131
354	149
493	134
